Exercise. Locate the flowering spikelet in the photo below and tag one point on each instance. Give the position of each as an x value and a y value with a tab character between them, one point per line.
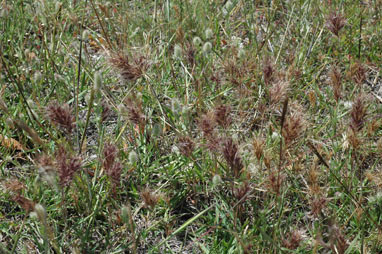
338	243
112	167
149	198
135	113
275	181
335	22
190	55
213	143
268	72
353	139
358	73
278	91
115	173
106	111
335	80
207	47
178	51
197	41
258	147
46	169
61	115
317	205
129	70
109	155
240	191
207	125
67	166
45	161
358	114
231	155
294	125
293	240
133	157
14	185
186	146
222	116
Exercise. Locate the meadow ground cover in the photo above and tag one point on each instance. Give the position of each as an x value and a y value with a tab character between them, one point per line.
174	126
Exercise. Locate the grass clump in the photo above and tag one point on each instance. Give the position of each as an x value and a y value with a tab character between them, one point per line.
190	127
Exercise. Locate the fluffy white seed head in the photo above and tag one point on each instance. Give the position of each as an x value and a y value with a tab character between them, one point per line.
97	81
197	41
133	157
177	51
207	47
209	33
40	211
156	130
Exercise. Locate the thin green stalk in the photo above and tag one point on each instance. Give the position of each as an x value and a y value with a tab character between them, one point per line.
18	236
91	100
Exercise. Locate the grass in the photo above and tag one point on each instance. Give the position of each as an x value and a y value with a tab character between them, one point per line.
190	126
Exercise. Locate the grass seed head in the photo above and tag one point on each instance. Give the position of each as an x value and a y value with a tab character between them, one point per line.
9	123
156	130
258	147
294	126
97	82
232	157
335	80
275	181
135	112
207	47
110	154
115	172
216	180
186	146
46	170
358	114
14	185
41	212
207	125
209	33
67	165
106	111
222	116
241	53
268	72
358	73
61	115
317	205
278	91
190	55
129	70
149	197
176	106
178	51
3	106
337	240
112	166
197	41
241	191
335	22
133	157
293	240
